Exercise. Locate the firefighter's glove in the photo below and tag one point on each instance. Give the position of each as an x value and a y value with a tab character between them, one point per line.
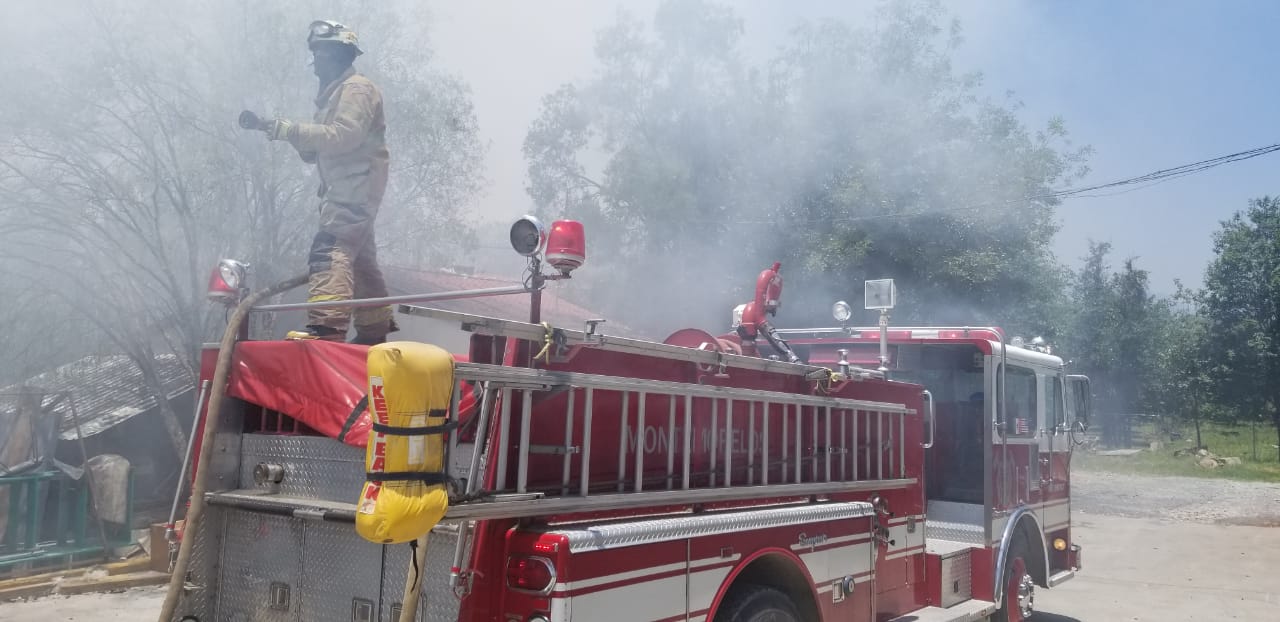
277	129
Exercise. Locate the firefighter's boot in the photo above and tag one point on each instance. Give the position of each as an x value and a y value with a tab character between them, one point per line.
321	333
376	334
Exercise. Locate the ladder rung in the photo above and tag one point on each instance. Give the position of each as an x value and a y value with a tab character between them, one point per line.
554	450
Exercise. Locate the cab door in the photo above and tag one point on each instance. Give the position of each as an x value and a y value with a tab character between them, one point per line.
1079	403
1016	444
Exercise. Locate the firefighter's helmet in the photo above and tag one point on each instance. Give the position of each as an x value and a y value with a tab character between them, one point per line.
326	31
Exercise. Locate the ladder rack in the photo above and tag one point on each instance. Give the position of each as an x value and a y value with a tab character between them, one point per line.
576	441
573	443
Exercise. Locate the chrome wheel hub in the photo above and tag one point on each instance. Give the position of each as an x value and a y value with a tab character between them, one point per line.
1026	596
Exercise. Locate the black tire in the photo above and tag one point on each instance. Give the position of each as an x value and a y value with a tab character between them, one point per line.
1018	549
756	603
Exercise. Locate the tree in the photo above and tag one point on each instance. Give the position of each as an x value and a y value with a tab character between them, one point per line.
1181	384
123	177
852	154
1241	304
1089	344
1130	343
1141	322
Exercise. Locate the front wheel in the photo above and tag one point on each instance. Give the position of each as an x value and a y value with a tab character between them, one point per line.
755	603
1019	587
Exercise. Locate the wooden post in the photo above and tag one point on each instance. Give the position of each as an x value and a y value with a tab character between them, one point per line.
413	584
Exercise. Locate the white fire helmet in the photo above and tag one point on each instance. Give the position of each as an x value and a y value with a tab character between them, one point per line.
325	31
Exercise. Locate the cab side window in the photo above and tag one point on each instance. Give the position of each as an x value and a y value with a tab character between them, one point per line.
1053	407
1020	416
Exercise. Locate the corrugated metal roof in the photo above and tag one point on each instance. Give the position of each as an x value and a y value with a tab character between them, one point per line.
108	390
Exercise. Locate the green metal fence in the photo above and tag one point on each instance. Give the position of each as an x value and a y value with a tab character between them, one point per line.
50	522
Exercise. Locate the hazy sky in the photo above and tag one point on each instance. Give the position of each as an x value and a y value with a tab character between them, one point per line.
1149	84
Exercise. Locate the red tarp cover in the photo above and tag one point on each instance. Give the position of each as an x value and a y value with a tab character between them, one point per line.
319	383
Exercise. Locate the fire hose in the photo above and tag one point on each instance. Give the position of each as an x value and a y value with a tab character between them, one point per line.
216	392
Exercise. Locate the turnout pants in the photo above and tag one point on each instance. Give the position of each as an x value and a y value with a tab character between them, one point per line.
343	264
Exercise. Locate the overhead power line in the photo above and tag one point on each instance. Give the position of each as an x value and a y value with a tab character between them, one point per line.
1139	182
1169	173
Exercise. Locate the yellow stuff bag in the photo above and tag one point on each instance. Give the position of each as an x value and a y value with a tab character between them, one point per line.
404	494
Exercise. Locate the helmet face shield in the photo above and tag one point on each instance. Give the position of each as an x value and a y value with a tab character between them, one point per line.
325	31
322	29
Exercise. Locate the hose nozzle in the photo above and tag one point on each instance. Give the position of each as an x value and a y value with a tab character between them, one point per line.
250	121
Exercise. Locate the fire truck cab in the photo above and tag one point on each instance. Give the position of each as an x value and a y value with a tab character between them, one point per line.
997	478
768	474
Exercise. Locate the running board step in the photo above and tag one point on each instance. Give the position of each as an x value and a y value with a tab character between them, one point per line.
1061	577
967	611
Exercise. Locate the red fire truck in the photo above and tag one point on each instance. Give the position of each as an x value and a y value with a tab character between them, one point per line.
835	473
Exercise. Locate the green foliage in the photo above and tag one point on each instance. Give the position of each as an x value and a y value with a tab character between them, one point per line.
853	153
1121	336
1222	439
1181	382
1241	305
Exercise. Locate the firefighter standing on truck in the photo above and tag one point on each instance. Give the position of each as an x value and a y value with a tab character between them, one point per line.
347	142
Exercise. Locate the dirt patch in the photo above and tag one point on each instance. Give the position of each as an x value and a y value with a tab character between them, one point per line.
1266	521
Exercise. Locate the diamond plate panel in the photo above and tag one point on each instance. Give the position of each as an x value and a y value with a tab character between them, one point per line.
955	532
314	467
289	447
957	522
202	567
957	579
258	551
224	464
337	566
438	604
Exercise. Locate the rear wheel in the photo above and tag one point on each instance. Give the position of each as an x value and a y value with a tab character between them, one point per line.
1019	587
756	603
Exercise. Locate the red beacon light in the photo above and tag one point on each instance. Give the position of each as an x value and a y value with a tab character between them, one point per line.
566	246
227	281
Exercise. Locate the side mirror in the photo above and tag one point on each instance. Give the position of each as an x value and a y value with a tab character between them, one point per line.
1080	400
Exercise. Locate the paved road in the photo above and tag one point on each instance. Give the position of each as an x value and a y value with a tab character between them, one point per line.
1155	549
1168	571
136	605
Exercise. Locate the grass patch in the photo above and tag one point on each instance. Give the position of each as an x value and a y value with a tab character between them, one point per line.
1222	440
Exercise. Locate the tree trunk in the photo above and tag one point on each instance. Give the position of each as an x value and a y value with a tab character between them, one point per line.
1199	444
1275	419
172	425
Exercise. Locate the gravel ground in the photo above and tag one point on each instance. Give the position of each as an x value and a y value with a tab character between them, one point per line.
1184	499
